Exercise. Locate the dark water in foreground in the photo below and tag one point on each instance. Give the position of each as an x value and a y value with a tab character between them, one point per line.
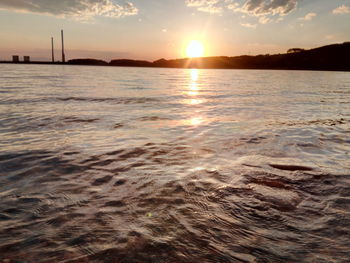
154	165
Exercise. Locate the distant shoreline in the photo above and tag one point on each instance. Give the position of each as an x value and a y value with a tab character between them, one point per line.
334	57
91	65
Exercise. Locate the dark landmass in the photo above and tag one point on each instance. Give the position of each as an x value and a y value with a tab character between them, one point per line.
131	63
331	57
88	61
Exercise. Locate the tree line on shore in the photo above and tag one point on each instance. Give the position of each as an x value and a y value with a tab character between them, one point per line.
331	57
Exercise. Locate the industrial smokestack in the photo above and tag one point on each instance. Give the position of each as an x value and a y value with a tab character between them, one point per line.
63	55
52	49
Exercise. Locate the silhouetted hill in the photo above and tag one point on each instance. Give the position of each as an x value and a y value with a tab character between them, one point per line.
130	63
88	61
331	57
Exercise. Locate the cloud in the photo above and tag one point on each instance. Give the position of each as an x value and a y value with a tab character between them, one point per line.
77	9
342	10
264	9
209	6
249	25
308	17
267	7
264	20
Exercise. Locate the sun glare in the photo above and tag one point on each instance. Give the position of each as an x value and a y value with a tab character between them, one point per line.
195	49
194	75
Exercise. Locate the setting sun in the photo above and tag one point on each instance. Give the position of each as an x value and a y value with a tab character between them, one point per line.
195	49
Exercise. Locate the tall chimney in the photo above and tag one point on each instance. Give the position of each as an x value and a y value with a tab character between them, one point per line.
63	55
52	49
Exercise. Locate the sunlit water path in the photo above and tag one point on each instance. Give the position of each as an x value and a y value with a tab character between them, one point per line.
101	164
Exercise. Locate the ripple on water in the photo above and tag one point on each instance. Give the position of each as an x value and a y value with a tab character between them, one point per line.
110	209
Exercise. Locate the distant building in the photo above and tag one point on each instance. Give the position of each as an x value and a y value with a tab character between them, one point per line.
15	58
26	58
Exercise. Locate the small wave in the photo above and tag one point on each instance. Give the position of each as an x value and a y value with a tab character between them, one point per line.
153	118
27	124
325	122
119	100
291	167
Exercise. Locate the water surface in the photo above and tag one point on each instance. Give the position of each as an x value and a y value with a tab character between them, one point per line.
101	164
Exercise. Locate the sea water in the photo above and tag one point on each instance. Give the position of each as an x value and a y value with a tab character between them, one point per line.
108	164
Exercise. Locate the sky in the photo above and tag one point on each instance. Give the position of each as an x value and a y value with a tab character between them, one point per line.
154	29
